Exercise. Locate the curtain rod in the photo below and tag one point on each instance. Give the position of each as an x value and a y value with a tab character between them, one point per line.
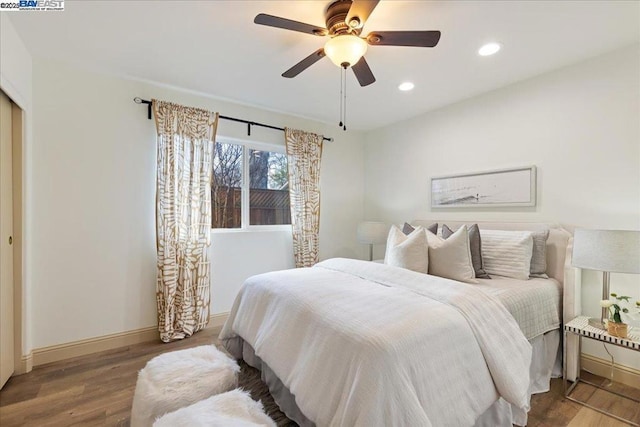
139	100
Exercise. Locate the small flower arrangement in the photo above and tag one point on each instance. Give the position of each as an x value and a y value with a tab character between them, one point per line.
614	307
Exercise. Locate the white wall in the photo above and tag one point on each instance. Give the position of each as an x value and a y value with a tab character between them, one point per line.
16	82
15	67
579	125
94	261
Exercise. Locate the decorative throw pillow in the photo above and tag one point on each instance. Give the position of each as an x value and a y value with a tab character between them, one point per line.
507	253
451	258
475	243
410	252
408	228
539	256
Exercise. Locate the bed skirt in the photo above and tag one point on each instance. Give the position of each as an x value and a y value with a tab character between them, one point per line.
546	363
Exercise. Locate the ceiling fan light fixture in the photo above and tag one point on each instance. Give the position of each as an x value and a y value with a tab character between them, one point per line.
489	49
345	49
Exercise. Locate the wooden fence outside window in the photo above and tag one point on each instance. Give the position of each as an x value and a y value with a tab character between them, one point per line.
266	207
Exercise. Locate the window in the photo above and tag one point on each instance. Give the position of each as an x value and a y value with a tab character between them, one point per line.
250	186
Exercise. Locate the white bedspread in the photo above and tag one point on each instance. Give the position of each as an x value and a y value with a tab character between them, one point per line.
365	344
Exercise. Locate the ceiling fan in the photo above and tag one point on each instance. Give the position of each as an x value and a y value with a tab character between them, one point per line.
346	48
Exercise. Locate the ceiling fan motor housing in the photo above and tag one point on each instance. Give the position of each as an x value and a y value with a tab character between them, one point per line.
335	18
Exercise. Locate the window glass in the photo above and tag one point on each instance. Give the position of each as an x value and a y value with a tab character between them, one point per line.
226	186
268	188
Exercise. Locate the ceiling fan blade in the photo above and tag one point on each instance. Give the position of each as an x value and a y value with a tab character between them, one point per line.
404	38
304	64
288	24
363	72
360	11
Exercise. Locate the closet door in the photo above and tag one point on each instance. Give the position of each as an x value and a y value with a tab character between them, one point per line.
6	241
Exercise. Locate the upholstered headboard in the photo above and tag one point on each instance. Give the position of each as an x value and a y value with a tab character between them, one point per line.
559	250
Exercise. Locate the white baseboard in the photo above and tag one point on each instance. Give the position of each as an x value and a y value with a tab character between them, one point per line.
622	374
55	353
24	365
72	349
217	320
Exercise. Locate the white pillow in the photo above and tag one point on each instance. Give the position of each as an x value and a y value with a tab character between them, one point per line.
410	252
507	253
451	258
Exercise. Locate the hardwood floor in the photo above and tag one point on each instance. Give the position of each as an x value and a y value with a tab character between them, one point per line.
89	390
96	390
551	409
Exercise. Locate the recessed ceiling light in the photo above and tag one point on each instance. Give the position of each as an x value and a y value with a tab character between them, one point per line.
489	49
406	86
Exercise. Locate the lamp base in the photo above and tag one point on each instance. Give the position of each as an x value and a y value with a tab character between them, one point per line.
597	323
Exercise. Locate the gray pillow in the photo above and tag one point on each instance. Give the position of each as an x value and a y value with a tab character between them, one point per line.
408	228
539	255
476	248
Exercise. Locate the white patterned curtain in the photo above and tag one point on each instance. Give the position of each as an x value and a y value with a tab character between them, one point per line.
185	138
304	151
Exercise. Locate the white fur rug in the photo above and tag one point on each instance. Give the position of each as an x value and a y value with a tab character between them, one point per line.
232	409
180	378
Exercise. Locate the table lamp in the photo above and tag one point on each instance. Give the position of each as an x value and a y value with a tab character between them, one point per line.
609	251
372	233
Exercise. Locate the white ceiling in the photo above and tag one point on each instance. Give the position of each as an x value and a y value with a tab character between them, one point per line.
214	47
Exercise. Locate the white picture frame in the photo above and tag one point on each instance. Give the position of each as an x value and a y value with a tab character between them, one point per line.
498	188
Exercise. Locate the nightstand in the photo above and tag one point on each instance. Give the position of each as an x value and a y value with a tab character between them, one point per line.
580	327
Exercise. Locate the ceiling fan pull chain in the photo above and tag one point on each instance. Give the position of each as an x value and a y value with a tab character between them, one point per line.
344	117
340	124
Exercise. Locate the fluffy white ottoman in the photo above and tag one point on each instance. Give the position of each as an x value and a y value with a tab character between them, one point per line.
180	378
232	409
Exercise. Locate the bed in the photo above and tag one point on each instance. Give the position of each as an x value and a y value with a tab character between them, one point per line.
354	343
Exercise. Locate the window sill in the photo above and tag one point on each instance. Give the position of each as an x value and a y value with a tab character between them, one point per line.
252	229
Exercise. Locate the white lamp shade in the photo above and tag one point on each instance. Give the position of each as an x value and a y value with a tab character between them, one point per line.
345	48
616	251
372	233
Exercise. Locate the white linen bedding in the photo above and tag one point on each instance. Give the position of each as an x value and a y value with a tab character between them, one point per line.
535	303
365	344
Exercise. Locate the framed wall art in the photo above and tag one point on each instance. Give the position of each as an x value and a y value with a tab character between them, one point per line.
497	188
